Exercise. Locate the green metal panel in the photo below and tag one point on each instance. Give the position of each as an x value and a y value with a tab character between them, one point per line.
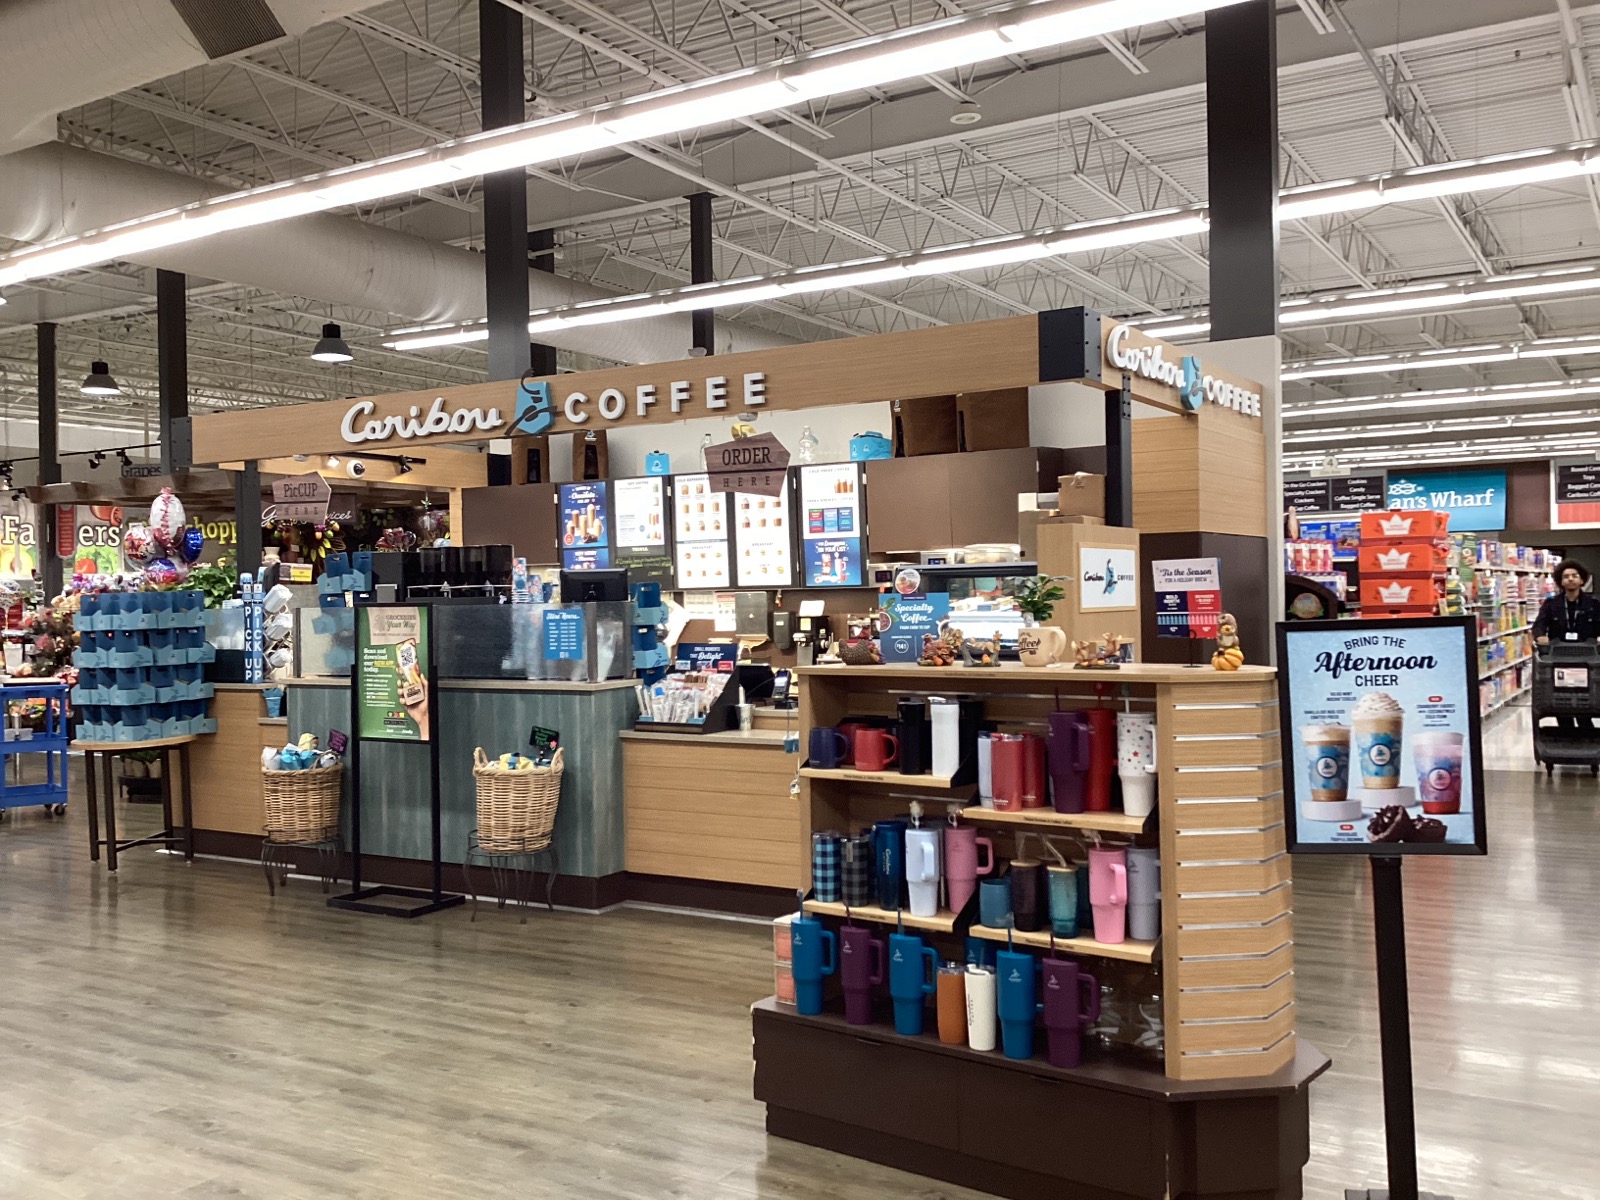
394	775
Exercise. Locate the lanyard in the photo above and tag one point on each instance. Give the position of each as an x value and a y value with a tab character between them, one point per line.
1570	612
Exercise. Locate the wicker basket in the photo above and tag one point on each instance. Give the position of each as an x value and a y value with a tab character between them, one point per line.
516	809
303	806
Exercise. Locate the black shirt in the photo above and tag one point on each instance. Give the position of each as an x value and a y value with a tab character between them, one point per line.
1559	616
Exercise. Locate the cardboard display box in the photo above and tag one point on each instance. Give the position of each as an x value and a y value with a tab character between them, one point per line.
1083	495
995	420
1081	557
925	425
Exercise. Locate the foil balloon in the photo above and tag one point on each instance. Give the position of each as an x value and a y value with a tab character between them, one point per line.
167	519
192	543
161	572
182	568
139	545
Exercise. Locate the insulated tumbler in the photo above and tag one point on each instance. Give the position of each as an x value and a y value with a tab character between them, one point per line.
1144	893
1136	762
1006	752
1027	894
994	903
814	952
913	969
986	768
1108	893
950	1002
1062	886
980	1006
889	847
858	870
1069	759
825	882
1016	1002
922	870
1035	785
980	951
1071	1001
1102	759
916	749
861	958
961	863
944	717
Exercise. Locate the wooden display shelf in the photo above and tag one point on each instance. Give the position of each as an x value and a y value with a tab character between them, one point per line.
851	775
1128	951
1049	818
942	922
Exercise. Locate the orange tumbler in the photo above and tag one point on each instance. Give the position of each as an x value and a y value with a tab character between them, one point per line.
951	1001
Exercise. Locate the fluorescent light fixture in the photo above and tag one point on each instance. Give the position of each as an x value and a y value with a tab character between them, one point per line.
1459	398
1423	360
868	62
1428	297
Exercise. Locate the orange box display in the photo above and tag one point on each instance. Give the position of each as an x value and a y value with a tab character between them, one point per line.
1389	558
1413	593
1403	523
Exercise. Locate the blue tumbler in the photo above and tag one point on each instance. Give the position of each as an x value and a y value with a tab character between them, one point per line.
889	848
913	975
1017	1002
994	903
980	952
815	953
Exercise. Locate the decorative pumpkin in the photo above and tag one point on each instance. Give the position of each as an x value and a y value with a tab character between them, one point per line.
1229	656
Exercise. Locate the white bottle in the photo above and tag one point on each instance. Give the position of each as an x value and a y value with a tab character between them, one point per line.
980	1007
945	717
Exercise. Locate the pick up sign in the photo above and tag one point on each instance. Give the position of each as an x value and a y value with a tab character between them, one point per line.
301	498
755	465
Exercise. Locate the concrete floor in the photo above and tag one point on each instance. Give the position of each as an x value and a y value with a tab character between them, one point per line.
172	1032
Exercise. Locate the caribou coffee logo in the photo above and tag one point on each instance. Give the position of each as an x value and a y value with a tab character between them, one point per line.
439	420
1151	362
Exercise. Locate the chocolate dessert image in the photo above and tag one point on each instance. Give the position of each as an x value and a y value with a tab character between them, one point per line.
1391	824
1427	829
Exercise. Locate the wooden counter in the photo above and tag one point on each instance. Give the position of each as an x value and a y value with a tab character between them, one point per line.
714	807
227	764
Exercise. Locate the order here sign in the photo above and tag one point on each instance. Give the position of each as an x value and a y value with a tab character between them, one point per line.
754	464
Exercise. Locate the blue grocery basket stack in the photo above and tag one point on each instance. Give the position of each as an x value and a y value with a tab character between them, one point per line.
141	666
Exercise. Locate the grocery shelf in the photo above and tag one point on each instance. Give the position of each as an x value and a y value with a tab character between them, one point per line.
1049	818
1516	662
1128	951
1494	637
944	921
1505	700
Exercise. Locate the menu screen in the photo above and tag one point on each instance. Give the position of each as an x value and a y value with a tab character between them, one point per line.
761	539
831	525
1381	744
585	526
640	513
700	523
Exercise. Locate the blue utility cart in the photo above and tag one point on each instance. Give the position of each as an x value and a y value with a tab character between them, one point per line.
50	741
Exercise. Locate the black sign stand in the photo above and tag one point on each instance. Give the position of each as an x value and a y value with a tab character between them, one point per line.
1394	1035
366	900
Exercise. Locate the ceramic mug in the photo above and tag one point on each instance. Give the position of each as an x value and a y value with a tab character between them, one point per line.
828	748
876	750
1041	645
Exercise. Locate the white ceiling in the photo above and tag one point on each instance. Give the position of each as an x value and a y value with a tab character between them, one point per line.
1092	133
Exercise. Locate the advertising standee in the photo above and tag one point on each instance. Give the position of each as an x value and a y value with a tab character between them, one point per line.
1381	737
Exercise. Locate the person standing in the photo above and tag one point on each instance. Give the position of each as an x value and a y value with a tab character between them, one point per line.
1572	614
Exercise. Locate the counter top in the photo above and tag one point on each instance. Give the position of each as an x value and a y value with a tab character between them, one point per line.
478	685
245	687
1061	673
748	738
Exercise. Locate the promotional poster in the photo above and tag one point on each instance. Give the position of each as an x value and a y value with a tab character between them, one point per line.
910	616
761	539
392	666
1188	597
583	515
831	527
701	528
1381	745
1108	577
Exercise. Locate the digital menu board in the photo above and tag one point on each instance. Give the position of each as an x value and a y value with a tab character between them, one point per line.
763	539
700	528
585	526
831	525
639	529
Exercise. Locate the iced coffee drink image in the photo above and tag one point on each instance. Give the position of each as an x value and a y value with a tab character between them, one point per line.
1379	724
1327	749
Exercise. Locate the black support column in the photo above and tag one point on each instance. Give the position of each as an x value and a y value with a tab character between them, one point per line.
542	257
50	554
172	370
1119	456
247	507
1242	168
505	194
700	269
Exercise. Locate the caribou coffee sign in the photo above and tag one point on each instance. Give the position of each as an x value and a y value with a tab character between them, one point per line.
535	409
1138	354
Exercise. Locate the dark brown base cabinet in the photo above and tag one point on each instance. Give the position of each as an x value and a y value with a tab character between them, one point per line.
1027	1130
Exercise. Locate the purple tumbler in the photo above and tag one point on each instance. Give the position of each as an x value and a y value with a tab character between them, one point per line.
1071	1001
861	965
1069	759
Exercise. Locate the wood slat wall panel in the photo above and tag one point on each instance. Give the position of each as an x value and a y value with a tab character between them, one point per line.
716	869
1239	1002
1213	692
1245	782
688	806
1230	847
692	845
1239	1066
1239	1035
1217	910
1229	814
784	829
226	794
1252	718
1252	971
684	764
1246	939
1243	877
1228	750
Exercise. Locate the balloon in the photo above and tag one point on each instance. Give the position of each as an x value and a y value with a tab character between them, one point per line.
139	545
166	517
161	572
193	542
182	568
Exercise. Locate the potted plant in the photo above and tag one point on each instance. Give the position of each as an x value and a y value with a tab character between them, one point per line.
1039	645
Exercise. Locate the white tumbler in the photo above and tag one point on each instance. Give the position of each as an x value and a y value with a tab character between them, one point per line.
1144	893
980	1007
985	770
1136	762
922	870
945	717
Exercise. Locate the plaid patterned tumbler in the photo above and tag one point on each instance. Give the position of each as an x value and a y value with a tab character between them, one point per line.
825	882
857	870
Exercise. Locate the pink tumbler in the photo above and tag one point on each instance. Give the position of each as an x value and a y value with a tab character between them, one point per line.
1108	893
1069	759
961	866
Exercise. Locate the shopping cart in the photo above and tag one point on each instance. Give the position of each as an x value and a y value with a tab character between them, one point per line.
1566	706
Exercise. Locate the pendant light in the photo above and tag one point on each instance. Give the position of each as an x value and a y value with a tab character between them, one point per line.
99	382
332	348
